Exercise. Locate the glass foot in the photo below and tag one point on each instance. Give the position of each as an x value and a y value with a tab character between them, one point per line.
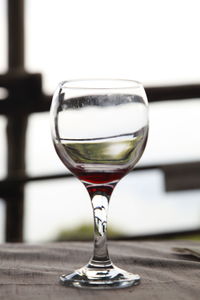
100	278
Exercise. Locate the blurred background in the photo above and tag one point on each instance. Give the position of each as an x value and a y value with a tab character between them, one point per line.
45	42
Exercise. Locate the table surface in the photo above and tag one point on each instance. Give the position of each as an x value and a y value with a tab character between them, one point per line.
32	271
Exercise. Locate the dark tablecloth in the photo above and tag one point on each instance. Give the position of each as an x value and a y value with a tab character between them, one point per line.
32	271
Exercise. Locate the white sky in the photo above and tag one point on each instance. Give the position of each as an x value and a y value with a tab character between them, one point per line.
150	41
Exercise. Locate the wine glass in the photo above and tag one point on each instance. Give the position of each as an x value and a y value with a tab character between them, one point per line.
99	130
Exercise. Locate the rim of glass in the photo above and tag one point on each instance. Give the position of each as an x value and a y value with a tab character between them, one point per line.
101	84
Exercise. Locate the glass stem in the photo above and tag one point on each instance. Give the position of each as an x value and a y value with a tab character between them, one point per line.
100	196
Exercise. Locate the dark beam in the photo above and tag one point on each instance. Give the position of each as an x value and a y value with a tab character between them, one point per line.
173	92
29	87
174	176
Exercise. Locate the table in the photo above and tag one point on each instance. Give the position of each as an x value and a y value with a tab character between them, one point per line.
31	271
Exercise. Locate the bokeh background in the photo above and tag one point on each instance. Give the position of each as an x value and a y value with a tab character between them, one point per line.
155	42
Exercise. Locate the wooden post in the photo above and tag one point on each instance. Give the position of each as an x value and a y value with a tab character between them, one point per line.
15	17
16	125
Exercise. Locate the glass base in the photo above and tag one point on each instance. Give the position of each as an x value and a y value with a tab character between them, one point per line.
100	278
